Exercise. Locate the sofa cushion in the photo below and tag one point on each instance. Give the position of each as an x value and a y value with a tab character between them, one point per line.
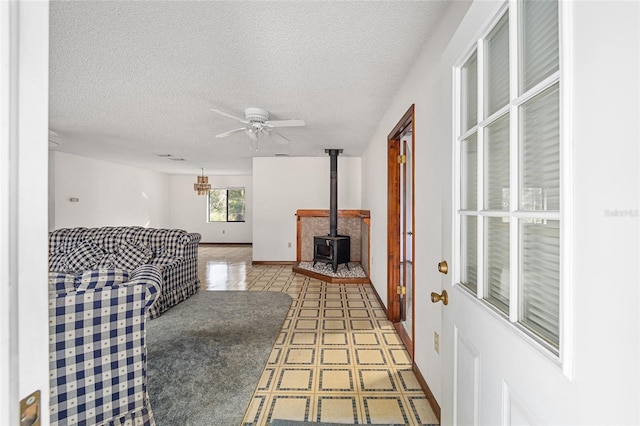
108	261
58	262
157	240
61	282
107	238
56	241
130	256
100	278
72	238
85	256
172	239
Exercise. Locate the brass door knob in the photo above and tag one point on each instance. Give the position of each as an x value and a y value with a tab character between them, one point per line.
444	297
443	268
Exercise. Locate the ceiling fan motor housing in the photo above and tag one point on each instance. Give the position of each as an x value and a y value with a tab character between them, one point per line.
256	114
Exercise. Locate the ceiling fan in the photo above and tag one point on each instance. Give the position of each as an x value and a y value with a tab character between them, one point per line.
256	122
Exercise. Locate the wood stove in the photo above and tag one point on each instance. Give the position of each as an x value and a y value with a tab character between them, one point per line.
333	248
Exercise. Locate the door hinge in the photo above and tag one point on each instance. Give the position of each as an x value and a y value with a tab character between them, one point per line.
402	290
402	159
30	413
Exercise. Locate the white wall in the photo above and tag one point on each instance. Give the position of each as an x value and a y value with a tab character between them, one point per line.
606	182
189	210
109	194
421	87
283	185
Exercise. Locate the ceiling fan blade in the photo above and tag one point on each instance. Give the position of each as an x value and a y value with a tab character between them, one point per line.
230	132
233	117
284	139
285	123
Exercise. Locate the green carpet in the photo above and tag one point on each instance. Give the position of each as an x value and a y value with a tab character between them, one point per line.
206	354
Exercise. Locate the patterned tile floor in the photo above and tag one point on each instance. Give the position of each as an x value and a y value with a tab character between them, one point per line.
337	358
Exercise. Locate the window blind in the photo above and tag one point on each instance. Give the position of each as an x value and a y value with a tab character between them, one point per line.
540	182
469	169
469	244
497	271
540	48
497	68
540	278
497	167
469	77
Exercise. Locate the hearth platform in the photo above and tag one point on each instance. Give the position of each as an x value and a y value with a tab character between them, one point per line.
354	274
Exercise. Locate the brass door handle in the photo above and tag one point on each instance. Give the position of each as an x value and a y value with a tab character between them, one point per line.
444	297
443	268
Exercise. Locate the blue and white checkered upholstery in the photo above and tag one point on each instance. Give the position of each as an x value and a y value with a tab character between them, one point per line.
174	251
97	351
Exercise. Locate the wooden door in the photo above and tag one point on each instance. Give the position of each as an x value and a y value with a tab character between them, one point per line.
400	237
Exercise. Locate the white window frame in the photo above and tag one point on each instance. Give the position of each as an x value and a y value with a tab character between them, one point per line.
226	189
563	356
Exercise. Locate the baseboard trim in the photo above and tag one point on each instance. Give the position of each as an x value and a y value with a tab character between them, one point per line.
384	308
271	262
404	336
427	391
225	244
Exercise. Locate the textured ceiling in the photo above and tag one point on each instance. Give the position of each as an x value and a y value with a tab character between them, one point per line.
133	79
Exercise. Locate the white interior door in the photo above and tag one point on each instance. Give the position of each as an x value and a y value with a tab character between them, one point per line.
509	365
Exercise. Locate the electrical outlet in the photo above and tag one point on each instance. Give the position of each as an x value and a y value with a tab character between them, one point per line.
436	342
289	245
223	231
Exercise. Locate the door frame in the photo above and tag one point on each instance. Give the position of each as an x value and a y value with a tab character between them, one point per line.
393	225
24	118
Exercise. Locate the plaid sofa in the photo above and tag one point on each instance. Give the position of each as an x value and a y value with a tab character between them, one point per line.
175	251
97	351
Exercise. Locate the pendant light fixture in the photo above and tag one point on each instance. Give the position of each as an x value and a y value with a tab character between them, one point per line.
202	186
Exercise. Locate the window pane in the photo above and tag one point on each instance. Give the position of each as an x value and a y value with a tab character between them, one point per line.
218	205
497	278
236	205
540	49
469	99
498	66
497	142
540	278
469	168
540	182
469	243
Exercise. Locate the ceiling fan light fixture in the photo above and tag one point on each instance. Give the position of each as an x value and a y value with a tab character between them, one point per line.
202	185
256	121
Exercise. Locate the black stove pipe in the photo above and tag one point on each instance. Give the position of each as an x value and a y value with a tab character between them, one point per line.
333	191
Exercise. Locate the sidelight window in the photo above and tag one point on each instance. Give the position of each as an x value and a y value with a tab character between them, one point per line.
508	202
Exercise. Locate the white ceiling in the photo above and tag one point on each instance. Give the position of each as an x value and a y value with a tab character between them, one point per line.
133	79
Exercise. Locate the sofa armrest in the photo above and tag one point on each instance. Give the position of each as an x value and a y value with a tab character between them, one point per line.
151	276
97	350
187	246
191	238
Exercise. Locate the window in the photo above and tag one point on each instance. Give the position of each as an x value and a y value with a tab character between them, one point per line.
508	198
226	205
